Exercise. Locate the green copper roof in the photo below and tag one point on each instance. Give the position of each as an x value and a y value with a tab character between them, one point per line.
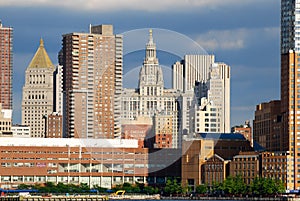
41	58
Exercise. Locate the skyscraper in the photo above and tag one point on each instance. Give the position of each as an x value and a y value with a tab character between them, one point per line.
191	69
6	58
92	82
152	100
290	84
211	110
38	92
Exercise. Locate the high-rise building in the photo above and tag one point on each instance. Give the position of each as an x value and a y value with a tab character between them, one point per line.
201	80
211	109
92	83
290	83
192	69
152	100
6	64
38	92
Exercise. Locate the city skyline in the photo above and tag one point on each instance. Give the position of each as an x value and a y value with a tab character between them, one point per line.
229	31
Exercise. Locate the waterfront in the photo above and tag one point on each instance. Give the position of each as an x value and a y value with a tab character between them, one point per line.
140	198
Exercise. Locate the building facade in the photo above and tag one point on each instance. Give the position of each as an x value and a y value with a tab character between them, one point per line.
246	165
267	126
214	170
290	83
198	150
245	130
152	100
20	131
278	165
102	162
38	92
193	68
6	65
54	128
210	110
92	83
5	122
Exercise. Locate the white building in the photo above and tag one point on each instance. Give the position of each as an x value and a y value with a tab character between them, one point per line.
20	131
37	100
193	68
211	110
151	99
5	121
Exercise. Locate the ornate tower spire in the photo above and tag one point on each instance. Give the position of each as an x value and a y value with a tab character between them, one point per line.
151	50
151	81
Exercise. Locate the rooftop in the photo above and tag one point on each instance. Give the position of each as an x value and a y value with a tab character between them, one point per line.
222	136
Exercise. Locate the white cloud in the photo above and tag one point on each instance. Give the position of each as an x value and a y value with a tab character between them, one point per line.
148	5
235	38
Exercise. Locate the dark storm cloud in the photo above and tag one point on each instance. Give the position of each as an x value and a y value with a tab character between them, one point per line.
257	53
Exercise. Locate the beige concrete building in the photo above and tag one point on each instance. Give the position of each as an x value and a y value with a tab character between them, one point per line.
192	69
152	100
37	98
92	74
5	122
210	110
20	131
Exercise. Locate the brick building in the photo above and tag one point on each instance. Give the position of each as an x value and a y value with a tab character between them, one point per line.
103	162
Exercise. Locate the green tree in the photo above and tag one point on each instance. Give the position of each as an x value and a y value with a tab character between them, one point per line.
239	185
172	186
228	185
24	186
201	189
266	186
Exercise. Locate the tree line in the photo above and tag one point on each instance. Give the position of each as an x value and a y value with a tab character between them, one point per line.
230	186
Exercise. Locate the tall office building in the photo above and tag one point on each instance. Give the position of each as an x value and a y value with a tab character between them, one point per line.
6	64
290	83
152	100
92	83
38	92
210	111
193	68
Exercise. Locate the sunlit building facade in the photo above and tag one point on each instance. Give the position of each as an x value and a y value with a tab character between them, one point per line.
38	92
92	83
290	84
152	100
6	65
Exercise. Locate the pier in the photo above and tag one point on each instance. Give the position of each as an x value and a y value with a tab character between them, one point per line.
55	198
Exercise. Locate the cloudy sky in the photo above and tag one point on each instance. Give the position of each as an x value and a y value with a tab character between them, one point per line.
242	33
